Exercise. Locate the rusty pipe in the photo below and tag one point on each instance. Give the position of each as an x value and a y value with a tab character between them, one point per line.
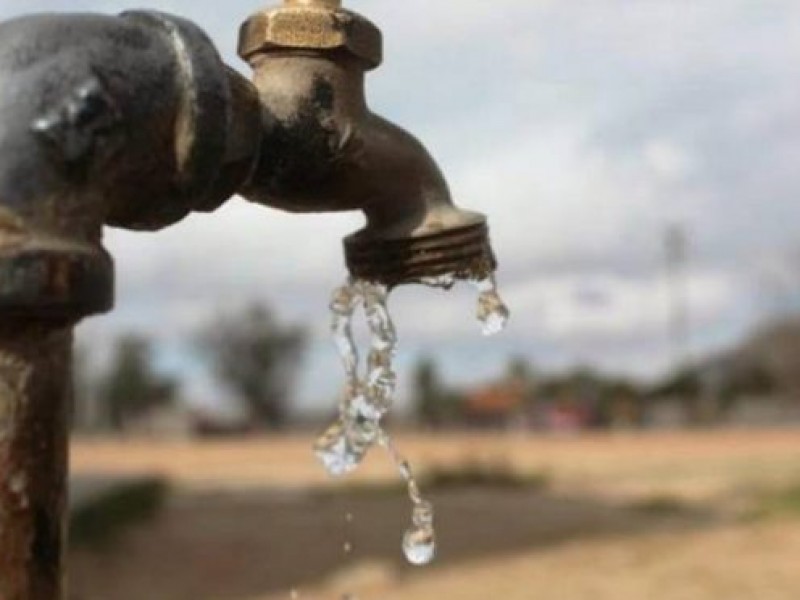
34	406
132	121
326	151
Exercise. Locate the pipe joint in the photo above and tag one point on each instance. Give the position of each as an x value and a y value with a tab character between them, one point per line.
129	121
320	25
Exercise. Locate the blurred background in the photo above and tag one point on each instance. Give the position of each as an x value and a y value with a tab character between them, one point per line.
634	434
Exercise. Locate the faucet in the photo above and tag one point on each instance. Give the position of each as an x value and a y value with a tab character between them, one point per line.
134	121
326	151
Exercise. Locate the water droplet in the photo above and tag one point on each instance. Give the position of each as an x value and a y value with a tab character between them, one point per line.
423	514
492	311
344	300
362	407
349	517
419	545
336	451
347	548
494	319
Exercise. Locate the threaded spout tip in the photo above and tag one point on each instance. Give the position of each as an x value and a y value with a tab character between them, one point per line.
463	253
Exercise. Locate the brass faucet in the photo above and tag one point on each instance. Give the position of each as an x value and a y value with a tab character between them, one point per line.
134	121
326	151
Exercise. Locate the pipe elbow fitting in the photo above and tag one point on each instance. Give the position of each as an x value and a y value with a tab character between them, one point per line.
131	121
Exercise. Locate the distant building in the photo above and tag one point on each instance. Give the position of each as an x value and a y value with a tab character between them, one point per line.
499	405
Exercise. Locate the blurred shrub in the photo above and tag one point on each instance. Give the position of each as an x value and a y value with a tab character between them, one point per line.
102	520
469	474
661	505
778	503
482	474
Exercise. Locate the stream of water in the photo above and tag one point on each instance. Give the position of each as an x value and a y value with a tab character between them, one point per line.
368	398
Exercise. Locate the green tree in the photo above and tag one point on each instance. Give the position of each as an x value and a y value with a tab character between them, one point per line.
432	403
131	387
520	370
257	359
83	394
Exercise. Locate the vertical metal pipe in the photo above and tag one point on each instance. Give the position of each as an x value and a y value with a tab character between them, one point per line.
35	394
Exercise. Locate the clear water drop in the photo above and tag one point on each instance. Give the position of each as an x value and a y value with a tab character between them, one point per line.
494	317
419	545
343	303
492	311
363	409
345	300
423	514
335	450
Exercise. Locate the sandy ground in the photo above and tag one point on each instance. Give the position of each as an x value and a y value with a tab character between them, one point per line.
737	563
243	524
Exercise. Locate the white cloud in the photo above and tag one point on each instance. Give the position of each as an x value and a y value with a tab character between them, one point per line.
582	128
669	161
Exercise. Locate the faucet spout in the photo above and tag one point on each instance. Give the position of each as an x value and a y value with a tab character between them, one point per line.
324	150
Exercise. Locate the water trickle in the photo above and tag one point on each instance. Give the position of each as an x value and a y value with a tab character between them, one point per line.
492	311
419	542
366	400
343	446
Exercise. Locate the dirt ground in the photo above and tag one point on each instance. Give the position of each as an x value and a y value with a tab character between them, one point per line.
625	516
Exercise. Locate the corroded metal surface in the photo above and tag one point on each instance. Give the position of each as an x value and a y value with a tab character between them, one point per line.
464	253
324	150
132	121
34	405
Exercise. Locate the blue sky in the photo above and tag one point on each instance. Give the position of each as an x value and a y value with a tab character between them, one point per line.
583	128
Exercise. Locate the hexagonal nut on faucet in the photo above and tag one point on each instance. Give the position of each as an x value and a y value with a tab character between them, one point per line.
311	26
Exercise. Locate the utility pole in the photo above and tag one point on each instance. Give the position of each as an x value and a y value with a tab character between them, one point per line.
677	258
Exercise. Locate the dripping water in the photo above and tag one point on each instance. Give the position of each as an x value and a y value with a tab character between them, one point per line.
366	400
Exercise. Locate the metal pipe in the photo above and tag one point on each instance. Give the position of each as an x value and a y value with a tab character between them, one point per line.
35	367
132	121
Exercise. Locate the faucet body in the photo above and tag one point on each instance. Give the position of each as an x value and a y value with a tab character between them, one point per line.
134	121
327	151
